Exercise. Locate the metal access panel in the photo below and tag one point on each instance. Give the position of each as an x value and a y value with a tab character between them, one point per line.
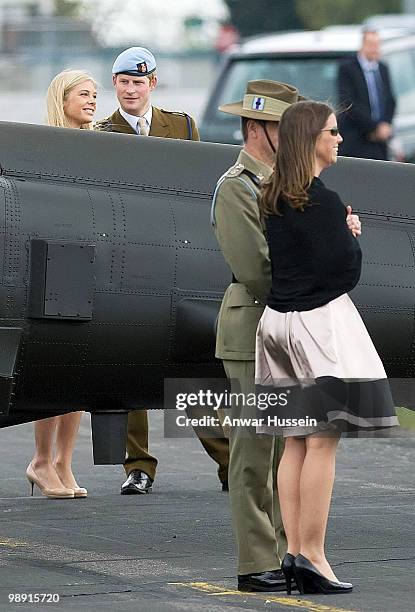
61	280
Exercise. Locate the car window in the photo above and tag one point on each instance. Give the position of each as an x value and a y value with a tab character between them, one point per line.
314	77
402	70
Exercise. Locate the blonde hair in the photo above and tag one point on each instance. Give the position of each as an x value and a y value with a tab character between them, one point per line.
57	93
151	77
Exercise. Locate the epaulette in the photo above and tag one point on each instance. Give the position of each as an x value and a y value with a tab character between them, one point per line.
188	121
236	171
103	123
173	112
239	169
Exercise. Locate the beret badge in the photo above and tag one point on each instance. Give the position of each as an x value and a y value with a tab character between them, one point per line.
142	67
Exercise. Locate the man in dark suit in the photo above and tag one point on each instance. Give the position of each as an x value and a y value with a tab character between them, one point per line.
134	79
366	101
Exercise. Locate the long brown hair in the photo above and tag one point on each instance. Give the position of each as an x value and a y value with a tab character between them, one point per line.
299	129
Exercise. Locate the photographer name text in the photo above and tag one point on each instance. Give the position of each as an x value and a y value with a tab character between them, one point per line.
270	421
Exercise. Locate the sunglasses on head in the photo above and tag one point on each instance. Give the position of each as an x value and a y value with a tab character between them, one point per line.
334	131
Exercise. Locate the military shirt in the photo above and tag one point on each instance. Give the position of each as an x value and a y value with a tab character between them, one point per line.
164	124
237	224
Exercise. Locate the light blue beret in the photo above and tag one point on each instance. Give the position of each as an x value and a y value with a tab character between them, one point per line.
136	61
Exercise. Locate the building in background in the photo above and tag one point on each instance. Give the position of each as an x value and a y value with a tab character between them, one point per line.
29	26
36	44
177	25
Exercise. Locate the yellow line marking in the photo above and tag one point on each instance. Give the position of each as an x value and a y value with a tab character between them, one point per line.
8	542
291	602
406	417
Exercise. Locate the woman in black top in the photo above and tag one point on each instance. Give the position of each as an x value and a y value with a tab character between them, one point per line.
311	337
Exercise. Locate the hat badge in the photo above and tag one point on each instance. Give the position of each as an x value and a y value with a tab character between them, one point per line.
258	103
142	67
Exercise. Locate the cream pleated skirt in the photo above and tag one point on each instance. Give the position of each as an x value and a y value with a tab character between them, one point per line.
328	353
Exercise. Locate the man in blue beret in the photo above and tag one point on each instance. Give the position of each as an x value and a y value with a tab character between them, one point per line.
134	78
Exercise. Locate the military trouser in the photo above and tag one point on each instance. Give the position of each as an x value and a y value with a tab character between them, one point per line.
138	457
253	494
213	440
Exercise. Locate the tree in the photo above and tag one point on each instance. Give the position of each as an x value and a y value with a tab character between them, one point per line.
67	8
321	13
259	16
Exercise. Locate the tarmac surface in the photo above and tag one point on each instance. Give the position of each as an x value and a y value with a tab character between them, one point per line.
173	549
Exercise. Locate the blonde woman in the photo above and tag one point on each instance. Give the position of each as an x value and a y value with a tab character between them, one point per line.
71	103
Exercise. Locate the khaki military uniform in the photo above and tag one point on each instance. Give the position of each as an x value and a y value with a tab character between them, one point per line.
164	124
253	494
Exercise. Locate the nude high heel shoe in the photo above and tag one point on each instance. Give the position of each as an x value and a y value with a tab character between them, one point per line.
78	491
51	493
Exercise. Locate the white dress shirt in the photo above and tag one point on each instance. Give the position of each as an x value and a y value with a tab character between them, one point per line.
133	119
374	85
367	64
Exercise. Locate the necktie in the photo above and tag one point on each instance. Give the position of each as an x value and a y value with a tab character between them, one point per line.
143	126
374	86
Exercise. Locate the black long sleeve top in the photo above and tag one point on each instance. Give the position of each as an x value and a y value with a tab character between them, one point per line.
314	256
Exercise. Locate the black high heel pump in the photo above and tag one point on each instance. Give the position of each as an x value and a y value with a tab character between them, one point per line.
287	568
310	580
